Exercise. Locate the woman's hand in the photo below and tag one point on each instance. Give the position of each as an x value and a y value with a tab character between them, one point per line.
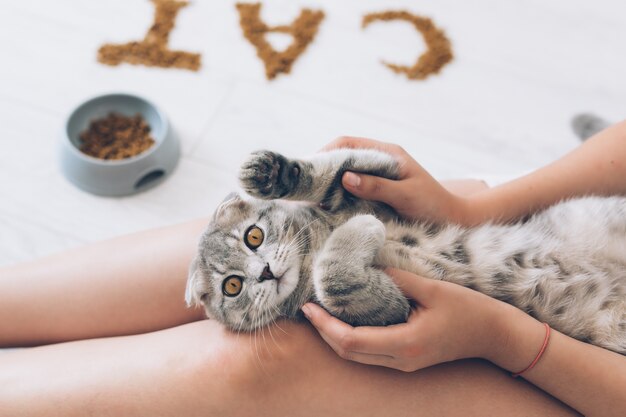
450	322
415	195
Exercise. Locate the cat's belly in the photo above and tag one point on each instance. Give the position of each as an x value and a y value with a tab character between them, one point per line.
581	295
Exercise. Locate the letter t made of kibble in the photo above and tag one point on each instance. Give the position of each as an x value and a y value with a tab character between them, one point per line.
153	51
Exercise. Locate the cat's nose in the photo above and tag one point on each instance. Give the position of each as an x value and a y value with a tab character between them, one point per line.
266	274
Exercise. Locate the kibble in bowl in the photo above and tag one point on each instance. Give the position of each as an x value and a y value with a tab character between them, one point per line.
116	145
116	137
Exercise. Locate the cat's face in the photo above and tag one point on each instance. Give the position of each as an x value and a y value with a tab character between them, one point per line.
247	265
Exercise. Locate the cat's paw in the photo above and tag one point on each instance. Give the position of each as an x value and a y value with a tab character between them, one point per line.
365	229
268	175
357	241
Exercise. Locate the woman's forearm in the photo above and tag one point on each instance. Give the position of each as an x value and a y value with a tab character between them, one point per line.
589	379
598	167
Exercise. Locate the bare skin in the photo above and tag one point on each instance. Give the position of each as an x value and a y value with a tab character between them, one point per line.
122	286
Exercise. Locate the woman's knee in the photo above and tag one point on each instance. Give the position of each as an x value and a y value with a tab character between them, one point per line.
253	373
268	356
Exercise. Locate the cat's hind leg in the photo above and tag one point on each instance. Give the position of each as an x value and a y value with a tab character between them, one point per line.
349	285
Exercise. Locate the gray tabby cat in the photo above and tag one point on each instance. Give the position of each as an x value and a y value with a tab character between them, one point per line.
585	125
263	258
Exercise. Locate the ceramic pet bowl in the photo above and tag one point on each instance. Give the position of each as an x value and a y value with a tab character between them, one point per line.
123	176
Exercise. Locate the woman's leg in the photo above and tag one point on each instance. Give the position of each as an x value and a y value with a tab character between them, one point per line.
132	284
201	369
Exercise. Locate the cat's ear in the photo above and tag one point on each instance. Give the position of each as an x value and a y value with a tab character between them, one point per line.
190	297
232	200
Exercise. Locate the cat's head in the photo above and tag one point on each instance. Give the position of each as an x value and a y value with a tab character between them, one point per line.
248	263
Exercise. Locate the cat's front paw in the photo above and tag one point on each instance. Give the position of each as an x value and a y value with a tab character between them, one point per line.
268	175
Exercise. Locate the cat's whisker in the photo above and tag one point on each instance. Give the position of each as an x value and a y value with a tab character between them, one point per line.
299	240
297	247
254	331
282	249
273	322
302	229
280	328
256	348
263	332
278	315
243	319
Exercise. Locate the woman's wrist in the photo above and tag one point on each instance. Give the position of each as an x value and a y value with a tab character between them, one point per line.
469	209
516	338
490	205
466	212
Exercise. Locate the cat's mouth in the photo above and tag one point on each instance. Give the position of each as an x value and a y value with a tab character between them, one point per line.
268	275
281	283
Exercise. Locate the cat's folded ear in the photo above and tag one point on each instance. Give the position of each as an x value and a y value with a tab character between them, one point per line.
193	282
190	295
232	202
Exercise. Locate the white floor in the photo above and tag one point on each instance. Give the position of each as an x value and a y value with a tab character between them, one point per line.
522	70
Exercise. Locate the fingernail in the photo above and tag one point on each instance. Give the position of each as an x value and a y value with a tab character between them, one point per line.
307	311
351	179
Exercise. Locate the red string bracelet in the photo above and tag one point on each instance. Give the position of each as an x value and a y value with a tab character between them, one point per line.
543	349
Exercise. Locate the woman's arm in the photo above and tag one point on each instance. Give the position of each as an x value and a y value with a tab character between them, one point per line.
589	379
453	322
597	167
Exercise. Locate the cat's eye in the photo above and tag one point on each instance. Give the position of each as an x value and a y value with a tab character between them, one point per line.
253	237
232	286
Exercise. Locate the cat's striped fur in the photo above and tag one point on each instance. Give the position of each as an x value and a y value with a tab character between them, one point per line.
565	266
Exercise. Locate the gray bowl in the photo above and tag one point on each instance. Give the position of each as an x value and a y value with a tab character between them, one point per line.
125	176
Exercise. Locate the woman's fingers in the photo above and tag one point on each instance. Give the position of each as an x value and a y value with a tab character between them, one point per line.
365	358
372	188
350	142
364	339
354	143
414	287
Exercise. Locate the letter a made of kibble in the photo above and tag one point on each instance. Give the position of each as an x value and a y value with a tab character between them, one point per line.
303	31
152	51
439	49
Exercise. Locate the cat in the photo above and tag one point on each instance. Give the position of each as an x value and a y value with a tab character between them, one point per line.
585	125
262	258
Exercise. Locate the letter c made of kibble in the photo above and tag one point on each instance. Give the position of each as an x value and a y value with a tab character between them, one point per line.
438	48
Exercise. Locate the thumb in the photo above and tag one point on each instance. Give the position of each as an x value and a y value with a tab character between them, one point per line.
414	286
370	187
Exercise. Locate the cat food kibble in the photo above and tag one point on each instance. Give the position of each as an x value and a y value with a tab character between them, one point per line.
303	31
153	51
116	137
439	48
